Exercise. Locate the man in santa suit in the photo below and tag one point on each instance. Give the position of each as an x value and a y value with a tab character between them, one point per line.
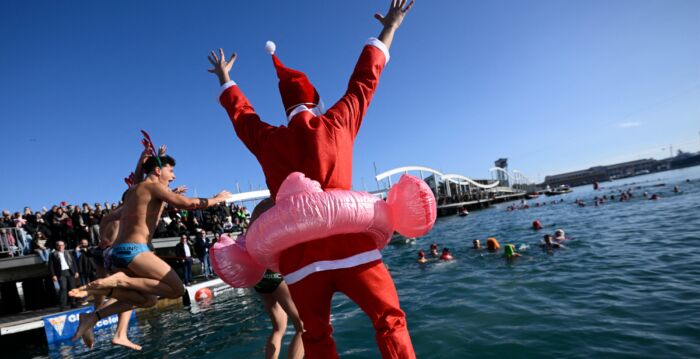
319	144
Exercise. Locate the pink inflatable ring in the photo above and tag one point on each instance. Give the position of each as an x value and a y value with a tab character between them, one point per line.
303	212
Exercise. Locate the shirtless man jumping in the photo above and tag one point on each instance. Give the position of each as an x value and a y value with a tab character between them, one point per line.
143	277
109	230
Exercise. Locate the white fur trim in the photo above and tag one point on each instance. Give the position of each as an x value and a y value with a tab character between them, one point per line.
316	111
270	47
349	262
225	86
373	41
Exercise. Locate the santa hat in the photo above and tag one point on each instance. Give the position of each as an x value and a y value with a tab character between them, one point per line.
298	94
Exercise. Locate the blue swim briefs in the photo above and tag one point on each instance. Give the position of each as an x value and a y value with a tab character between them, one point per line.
124	253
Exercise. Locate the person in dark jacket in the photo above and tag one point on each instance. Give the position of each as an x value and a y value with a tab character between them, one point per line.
184	253
201	248
60	225
64	271
42	226
6	220
177	228
86	262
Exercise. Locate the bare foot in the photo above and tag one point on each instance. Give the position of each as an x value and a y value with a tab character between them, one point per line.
125	342
80	292
84	292
84	331
107	283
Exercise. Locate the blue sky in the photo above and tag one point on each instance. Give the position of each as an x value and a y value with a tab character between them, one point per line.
551	85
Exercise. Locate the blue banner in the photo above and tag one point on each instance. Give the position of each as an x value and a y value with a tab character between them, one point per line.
62	326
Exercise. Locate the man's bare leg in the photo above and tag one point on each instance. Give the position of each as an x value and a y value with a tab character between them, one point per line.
88	321
99	301
88	289
122	294
99	298
120	336
279	325
284	298
152	276
156	279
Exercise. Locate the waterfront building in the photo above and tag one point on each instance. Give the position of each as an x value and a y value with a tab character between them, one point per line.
603	173
501	176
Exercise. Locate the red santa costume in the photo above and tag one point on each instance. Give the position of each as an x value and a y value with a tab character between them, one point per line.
320	146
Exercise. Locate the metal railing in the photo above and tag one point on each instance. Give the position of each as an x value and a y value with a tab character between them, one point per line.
14	242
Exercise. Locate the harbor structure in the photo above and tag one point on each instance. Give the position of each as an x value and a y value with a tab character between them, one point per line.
502	175
455	192
622	170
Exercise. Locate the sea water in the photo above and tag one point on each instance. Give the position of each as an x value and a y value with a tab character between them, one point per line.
626	285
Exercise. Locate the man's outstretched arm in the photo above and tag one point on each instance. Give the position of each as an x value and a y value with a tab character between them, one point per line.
349	111
179	201
249	128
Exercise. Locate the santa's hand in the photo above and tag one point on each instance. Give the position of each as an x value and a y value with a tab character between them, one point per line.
221	66
395	15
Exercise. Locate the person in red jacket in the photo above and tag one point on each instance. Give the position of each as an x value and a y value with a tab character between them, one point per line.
319	144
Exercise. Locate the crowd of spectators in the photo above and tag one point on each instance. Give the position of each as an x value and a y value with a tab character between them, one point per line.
37	232
66	237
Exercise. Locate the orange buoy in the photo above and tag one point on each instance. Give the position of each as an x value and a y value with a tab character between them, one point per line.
203	294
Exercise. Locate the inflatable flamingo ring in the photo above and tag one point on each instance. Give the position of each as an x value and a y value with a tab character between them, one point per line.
303	212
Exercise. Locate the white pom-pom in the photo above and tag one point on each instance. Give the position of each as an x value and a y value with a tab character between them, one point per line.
270	47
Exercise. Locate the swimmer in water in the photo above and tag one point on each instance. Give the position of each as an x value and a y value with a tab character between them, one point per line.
492	244
559	235
476	244
536	225
510	252
434	250
142	277
548	243
446	255
655	197
421	257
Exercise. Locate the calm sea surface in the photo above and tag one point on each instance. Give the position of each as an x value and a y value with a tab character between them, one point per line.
627	285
